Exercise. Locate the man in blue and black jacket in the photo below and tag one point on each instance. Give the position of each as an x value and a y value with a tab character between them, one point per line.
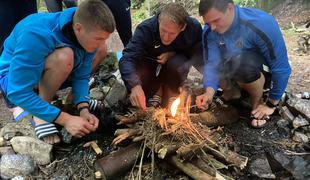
48	51
157	59
243	48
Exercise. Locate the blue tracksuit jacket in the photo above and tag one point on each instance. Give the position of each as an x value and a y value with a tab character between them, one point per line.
252	29
23	60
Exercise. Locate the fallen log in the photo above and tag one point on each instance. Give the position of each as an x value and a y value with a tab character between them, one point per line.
116	164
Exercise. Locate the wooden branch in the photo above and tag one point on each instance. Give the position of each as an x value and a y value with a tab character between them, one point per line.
201	164
234	158
168	149
228	156
189	169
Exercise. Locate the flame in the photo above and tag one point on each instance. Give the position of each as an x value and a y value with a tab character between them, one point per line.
174	106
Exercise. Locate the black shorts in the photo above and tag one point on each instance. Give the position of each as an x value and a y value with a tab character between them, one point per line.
245	67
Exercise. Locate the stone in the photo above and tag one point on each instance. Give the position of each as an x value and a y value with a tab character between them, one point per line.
117	93
301	105
33	147
300	137
299	121
6	150
66	136
16	165
261	168
282	123
298	166
96	93
17	129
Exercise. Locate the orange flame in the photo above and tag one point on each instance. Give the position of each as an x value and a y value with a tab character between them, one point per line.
174	106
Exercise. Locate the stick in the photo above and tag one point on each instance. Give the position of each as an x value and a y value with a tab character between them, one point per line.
190	169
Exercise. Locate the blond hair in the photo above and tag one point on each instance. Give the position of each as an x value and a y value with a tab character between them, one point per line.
176	12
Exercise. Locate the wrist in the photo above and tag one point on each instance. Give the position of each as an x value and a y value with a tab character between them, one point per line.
84	108
272	104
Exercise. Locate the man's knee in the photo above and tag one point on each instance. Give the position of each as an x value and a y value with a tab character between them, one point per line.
62	59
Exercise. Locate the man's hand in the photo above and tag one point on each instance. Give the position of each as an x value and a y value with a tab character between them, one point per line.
137	97
75	125
163	58
203	101
85	114
262	111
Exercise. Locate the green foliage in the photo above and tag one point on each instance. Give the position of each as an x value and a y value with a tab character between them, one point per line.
138	15
246	3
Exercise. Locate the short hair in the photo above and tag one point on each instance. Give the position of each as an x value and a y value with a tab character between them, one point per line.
95	14
176	12
206	5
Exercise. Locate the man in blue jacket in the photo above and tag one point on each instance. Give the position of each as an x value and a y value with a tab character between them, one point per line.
243	48
49	50
157	59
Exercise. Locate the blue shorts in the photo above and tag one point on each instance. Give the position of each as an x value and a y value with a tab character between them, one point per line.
3	89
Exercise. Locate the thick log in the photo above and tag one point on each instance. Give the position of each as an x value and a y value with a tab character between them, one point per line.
218	116
189	169
115	164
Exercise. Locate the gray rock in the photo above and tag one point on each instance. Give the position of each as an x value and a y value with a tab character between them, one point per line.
6	150
301	105
18	178
105	89
260	168
117	93
22	128
299	122
33	147
298	166
66	136
96	93
300	137
16	165
282	123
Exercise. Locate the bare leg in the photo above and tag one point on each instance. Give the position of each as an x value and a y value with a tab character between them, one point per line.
255	89
58	65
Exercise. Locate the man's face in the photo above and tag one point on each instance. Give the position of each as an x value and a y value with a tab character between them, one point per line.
90	39
219	21
168	30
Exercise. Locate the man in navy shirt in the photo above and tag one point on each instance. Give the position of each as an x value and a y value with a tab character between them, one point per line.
157	59
243	48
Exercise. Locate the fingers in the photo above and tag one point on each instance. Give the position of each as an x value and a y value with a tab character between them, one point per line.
202	102
138	100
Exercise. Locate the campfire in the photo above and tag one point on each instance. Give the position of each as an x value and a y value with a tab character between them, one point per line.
175	135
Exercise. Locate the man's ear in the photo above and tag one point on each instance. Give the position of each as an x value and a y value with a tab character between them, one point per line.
183	28
77	27
230	6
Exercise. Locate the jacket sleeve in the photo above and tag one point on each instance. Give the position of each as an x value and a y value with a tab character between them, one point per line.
276	60
80	78
25	72
211	56
132	54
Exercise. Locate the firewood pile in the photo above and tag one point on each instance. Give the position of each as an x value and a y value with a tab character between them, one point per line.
181	138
